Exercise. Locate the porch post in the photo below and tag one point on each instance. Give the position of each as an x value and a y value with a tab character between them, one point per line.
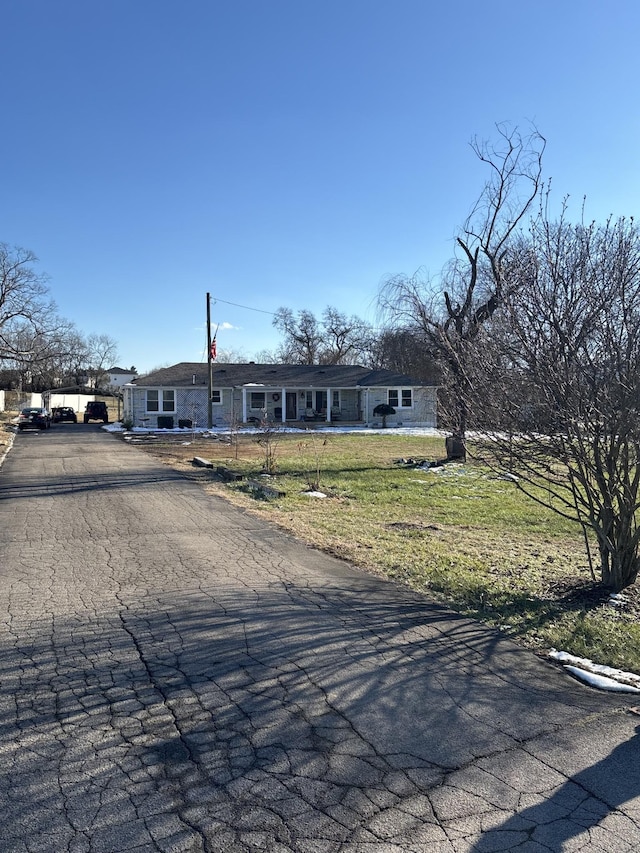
283	403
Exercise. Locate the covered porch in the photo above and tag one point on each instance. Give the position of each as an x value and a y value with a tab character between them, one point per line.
300	405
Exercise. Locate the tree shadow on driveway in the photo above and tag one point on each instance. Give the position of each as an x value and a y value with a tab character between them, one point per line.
178	675
291	715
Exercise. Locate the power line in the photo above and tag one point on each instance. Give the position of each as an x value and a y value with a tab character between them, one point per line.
247	307
215	299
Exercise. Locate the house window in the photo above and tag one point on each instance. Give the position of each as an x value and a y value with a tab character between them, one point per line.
161	401
317	400
400	398
335	399
257	400
216	396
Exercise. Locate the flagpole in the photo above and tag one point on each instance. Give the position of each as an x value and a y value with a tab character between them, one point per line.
210	363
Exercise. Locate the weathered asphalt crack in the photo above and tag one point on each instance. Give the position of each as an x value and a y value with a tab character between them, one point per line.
374	760
367	752
195	682
184	742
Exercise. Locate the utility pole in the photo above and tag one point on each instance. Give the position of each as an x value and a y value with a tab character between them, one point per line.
210	363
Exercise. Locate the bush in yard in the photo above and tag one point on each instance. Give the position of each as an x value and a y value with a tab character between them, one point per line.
558	386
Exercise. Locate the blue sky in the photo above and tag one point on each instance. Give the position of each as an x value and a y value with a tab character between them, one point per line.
286	152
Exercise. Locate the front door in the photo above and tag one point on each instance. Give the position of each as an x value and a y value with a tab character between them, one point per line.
291	411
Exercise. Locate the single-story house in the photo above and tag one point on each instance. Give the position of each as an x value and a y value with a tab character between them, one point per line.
282	393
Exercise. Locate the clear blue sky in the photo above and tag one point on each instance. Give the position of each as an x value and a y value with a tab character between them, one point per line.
286	152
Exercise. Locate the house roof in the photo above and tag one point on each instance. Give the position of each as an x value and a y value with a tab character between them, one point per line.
275	376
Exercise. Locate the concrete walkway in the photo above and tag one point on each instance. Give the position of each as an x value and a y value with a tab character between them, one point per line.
178	676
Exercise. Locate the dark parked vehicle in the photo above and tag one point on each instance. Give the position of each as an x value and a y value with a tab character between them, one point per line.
96	411
63	413
34	417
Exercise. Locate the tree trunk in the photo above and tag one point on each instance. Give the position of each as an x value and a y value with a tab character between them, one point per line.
618	549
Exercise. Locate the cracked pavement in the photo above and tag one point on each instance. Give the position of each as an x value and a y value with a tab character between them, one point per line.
176	675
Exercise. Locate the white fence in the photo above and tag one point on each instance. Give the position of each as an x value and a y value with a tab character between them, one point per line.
76	401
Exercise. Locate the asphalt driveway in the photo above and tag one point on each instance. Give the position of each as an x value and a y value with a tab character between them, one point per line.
176	675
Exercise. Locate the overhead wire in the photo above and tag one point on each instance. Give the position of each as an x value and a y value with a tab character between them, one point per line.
247	307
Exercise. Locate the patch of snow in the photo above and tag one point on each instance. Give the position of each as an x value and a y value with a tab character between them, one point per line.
332	430
314	494
603	677
617	599
600	681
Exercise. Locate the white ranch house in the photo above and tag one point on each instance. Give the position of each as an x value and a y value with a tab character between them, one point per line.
177	396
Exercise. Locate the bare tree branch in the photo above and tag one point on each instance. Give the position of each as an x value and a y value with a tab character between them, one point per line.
451	311
556	397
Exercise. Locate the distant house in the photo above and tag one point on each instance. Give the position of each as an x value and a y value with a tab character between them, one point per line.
117	377
282	393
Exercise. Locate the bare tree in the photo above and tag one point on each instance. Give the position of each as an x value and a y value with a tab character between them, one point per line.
335	339
448	313
25	309
49	359
70	367
559	391
42	347
267	356
302	338
102	353
345	340
405	351
228	355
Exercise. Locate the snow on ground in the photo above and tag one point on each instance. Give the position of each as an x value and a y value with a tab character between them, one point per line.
203	432
602	677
